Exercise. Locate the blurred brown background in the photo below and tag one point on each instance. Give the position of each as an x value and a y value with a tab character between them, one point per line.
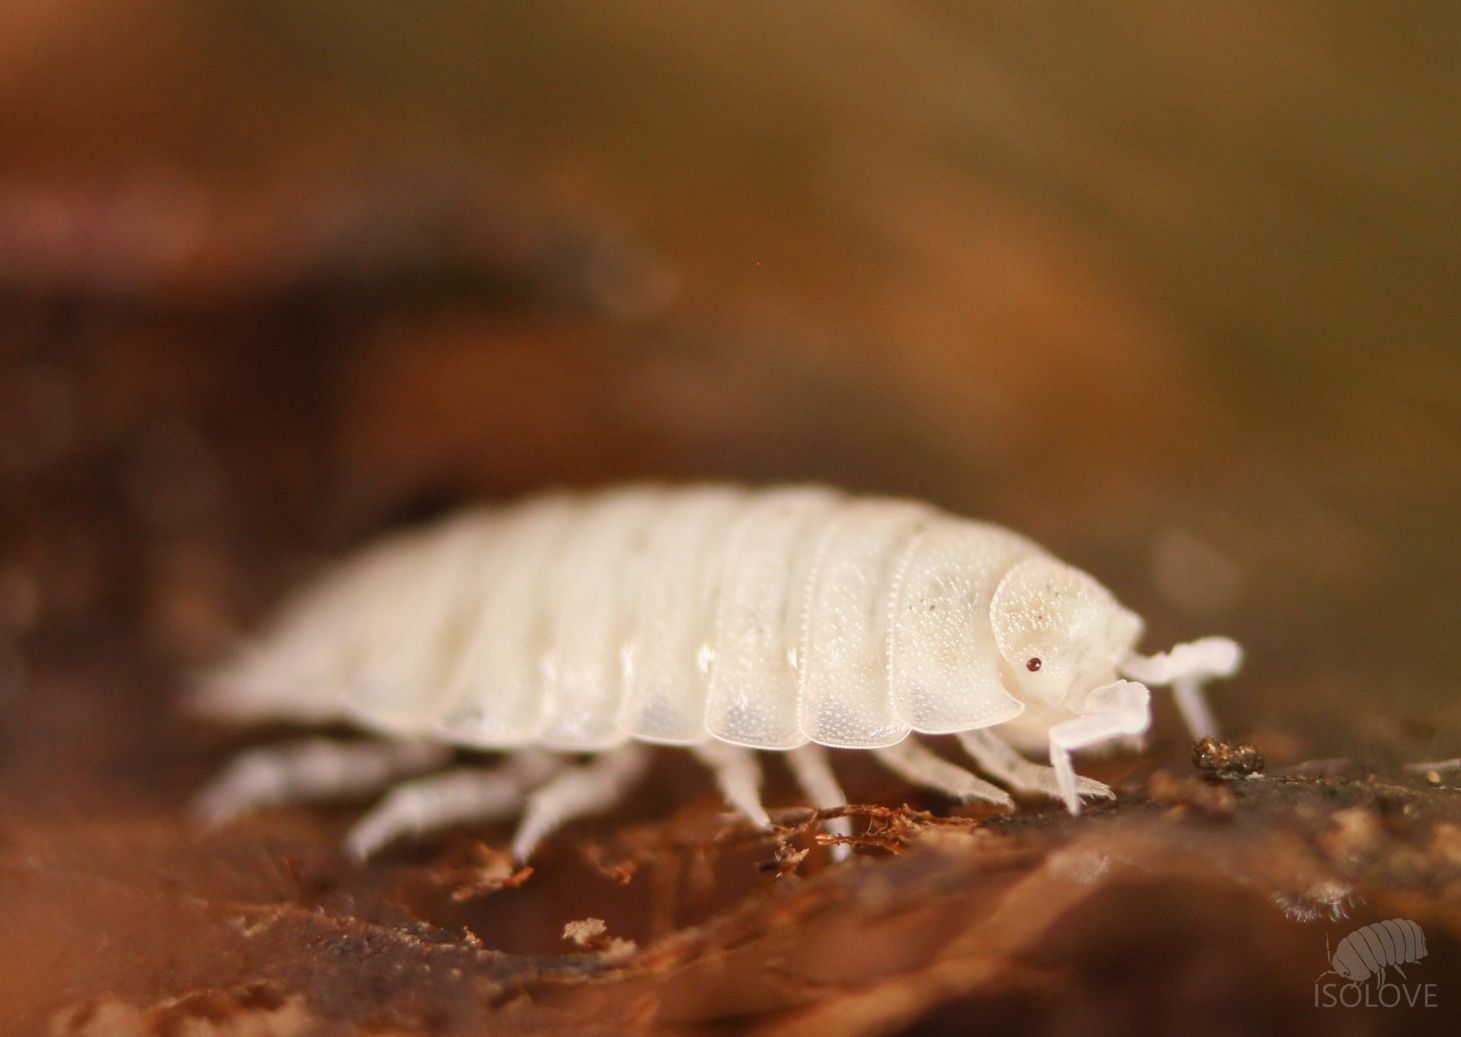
1172	288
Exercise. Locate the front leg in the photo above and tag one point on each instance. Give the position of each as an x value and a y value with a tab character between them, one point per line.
1000	761
1116	710
915	762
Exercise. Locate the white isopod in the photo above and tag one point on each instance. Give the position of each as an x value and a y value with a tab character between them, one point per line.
716	618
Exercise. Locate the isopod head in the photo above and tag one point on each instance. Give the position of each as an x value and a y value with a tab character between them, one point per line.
1351	970
1060	634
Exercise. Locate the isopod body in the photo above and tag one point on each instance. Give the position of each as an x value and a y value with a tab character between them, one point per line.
1373	948
713	617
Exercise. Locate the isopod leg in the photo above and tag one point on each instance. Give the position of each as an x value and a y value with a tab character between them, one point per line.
453	797
915	762
311	770
577	792
1119	709
739	777
1000	761
814	774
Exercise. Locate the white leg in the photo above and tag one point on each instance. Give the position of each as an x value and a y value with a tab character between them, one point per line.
310	770
453	797
913	761
1186	668
739	777
998	759
1192	704
590	789
1122	708
814	774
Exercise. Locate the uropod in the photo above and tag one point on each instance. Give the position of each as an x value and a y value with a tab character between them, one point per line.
569	633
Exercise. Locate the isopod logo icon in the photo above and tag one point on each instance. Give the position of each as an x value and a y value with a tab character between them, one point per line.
1367	953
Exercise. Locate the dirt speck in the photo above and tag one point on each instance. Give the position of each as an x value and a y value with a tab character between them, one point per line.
1216	757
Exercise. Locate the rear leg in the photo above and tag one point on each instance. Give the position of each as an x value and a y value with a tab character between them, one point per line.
814	774
577	792
310	770
1000	761
915	762
450	798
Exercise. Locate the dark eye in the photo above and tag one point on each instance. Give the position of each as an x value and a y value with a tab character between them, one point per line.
1033	664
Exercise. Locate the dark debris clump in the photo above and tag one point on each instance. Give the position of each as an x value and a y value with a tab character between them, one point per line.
1226	758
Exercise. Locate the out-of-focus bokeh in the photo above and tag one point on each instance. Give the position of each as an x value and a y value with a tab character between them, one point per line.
1170	287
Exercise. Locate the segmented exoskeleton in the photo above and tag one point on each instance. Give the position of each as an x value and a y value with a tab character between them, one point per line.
717	618
1373	948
